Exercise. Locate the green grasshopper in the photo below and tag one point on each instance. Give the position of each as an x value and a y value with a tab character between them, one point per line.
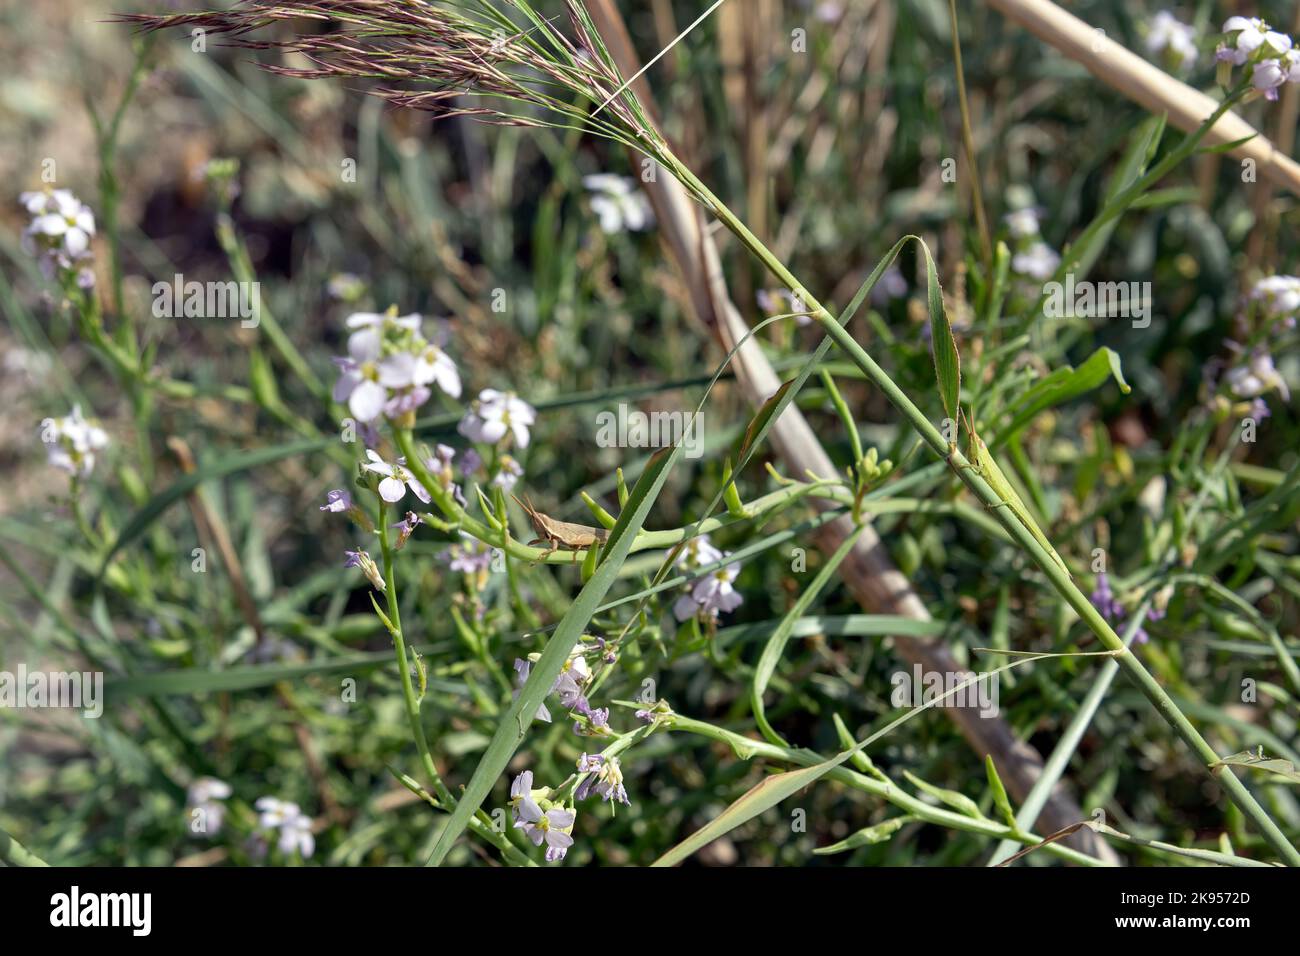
561	535
981	461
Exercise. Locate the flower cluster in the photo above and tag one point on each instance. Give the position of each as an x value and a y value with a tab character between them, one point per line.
1249	41
1278	298
618	203
72	441
1032	257
1115	612
390	366
570	687
203	800
708	595
293	825
541	819
59	234
1173	41
604	778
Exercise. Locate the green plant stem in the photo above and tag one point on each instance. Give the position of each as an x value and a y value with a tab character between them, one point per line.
747	749
1057	576
412	704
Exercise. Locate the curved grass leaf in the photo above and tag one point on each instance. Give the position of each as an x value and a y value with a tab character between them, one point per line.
1063	385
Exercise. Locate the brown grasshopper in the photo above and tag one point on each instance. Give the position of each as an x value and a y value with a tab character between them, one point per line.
561	535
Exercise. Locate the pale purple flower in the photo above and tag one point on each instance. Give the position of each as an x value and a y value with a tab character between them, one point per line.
571	679
606	779
1115	612
551	827
470	462
294	826
396	479
494	415
469	555
363	560
520	787
710	595
1267	76
522	670
337	501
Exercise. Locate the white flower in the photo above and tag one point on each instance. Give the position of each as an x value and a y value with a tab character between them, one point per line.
508	473
1039	261
1169	36
293	824
359	384
396	479
618	203
205	795
1022	223
370	328
390	366
1257	376
698	553
494	414
1280	296
71	442
710	595
59	234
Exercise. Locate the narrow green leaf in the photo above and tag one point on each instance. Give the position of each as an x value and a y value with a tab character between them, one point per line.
775	646
217	468
1000	798
943	346
1063	385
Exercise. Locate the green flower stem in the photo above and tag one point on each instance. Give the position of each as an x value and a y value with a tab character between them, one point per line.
445	799
403	664
1059	579
747	748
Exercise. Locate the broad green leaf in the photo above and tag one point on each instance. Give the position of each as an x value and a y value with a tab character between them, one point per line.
1132	166
943	346
1063	385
